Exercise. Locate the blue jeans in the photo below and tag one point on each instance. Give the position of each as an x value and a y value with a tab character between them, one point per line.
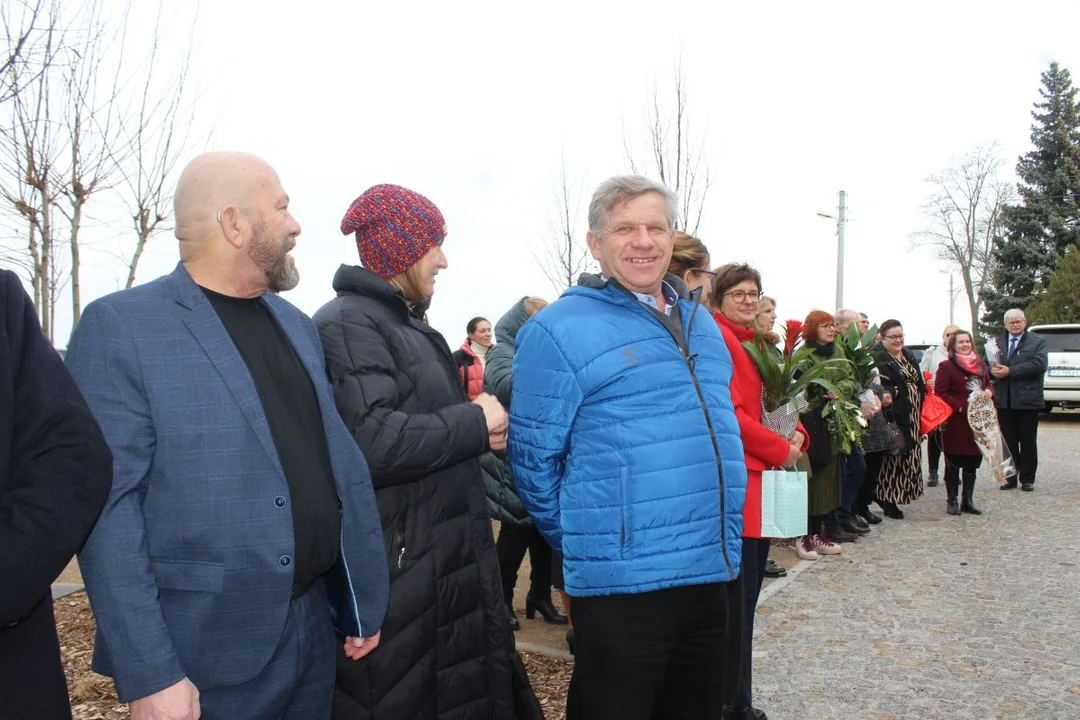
852	475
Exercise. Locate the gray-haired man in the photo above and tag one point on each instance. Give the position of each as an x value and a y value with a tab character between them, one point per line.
1018	394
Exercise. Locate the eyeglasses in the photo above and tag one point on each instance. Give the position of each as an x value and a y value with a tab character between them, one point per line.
710	273
741	296
656	232
894	337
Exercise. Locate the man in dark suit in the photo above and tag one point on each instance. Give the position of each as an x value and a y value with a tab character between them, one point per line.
242	525
55	473
1018	378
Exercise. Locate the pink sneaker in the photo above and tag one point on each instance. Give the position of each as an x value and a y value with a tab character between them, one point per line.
824	547
804	548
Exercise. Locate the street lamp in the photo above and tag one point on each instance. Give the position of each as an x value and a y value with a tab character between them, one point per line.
841	219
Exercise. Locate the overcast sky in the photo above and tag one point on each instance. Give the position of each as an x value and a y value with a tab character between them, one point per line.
471	104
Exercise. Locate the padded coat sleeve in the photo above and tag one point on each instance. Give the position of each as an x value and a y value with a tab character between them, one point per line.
499	372
115	562
60	468
546	399
400	447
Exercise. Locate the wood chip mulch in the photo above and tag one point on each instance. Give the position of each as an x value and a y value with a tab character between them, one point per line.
93	696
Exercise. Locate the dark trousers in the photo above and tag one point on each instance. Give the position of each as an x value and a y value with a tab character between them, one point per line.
755	553
852	476
868	491
1020	429
660	655
513	542
32	685
298	683
933	448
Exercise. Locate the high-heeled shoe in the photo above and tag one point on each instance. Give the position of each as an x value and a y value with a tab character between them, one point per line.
546	608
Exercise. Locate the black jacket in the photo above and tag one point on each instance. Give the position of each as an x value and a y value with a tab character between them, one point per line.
1023	388
503	500
445	650
55	475
892	379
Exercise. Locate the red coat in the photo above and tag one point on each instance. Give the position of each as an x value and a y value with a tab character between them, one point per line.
763	449
471	370
951	384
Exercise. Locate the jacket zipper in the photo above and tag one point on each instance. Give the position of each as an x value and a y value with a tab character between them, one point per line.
689	360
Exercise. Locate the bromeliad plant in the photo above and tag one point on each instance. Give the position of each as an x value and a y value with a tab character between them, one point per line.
786	376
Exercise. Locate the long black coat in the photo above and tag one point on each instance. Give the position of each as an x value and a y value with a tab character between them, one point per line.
55	475
446	650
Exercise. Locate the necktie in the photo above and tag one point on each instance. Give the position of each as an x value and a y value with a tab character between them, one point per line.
1012	347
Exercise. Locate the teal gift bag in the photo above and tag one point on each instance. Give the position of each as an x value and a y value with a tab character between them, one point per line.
783	503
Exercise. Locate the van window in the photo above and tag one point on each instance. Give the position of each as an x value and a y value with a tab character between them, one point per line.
1060	339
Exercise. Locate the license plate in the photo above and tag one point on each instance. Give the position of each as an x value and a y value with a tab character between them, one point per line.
1064	372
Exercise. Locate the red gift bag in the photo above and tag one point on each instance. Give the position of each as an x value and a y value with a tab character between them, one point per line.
935	412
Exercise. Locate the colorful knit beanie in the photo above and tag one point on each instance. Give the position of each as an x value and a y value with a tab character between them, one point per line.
394	227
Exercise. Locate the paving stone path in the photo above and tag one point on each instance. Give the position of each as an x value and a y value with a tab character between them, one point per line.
937	616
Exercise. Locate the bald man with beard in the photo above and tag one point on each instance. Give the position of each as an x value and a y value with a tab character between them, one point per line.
241	528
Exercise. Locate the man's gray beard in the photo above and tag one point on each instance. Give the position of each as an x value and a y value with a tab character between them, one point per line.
281	275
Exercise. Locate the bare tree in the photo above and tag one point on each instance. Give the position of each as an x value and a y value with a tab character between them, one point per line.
20	20
88	115
153	138
675	154
563	256
964	216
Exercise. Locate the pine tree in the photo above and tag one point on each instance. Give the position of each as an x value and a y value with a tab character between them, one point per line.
1046	222
1061	301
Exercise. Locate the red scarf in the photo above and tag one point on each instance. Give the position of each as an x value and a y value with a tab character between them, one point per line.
969	362
741	333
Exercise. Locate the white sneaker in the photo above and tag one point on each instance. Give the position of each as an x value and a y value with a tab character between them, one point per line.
824	547
804	548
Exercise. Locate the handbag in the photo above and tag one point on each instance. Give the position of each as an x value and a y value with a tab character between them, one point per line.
935	412
784	500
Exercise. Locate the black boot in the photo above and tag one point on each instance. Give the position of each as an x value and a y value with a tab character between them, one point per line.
546	608
966	503
515	624
952	489
933	481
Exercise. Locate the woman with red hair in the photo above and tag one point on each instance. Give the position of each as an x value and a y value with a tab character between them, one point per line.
819	332
736	291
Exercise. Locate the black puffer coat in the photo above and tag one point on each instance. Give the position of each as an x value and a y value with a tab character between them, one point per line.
445	651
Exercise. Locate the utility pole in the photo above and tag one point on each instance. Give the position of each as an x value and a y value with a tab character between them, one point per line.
952	297
841	221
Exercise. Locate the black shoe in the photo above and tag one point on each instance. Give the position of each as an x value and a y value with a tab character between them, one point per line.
744	713
571	641
891	511
858	521
1027	487
1009	485
951	507
838	535
854	528
772	570
933	481
515	624
546	608
869	517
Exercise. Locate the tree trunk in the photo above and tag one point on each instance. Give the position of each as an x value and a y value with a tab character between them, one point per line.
47	289
76	301
144	235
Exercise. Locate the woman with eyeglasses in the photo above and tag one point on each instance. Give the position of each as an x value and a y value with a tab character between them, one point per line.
899	479
825	534
736	293
957	377
690	263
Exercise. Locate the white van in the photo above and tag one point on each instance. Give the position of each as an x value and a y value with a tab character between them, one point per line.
1062	386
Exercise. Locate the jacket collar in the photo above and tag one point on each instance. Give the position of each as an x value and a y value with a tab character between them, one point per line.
356	280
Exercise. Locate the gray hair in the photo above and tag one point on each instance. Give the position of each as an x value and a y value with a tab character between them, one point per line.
624	188
1015	312
844	315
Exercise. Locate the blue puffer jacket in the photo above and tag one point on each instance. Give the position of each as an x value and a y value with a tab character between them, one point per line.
611	446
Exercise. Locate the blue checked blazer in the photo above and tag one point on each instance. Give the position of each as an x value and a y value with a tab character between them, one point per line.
189	569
